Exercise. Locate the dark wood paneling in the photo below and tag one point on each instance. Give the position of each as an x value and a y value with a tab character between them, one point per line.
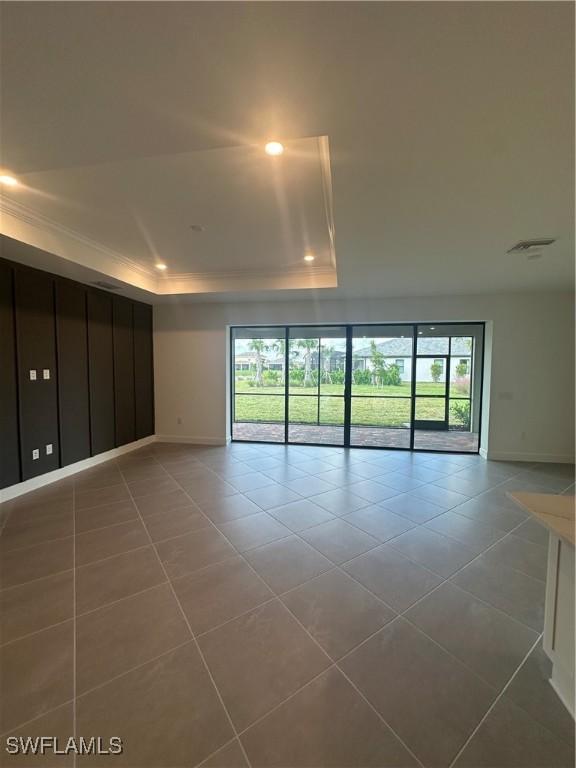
72	348
124	407
36	349
101	371
143	370
9	442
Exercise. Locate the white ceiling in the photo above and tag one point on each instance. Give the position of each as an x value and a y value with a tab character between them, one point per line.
450	128
219	219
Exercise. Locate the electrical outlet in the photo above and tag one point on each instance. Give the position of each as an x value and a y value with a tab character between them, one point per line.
35	454
33	376
49	449
46	374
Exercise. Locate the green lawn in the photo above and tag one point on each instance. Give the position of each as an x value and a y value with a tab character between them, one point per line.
367	411
403	390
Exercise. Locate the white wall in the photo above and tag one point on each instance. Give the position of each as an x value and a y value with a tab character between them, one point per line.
529	376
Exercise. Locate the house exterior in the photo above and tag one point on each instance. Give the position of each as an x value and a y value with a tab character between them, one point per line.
398	351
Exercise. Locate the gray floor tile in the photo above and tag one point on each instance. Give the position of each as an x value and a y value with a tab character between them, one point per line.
521	555
337	611
373	491
438	553
379	522
338	540
439	496
413	508
221	592
272	496
37	674
395	579
490	512
509	738
119	637
229	508
287	563
531	690
192	551
170	695
427	697
309	486
296	734
250	481
518	595
533	531
59	723
39	604
259	659
488	641
301	514
476	536
253	531
340	501
230	756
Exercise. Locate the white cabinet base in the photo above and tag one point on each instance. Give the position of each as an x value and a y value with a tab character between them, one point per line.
559	619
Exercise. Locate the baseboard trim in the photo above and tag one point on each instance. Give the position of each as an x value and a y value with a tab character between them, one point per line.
483	452
13	491
191	439
546	458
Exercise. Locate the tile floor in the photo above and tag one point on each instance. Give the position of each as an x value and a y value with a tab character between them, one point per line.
282	606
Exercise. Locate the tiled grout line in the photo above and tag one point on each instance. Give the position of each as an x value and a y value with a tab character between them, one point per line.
194	639
494	703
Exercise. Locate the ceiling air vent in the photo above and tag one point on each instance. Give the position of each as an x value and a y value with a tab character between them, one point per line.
527	246
106	286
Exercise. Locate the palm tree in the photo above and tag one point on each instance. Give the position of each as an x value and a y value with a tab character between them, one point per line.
279	346
258	347
326	352
309	346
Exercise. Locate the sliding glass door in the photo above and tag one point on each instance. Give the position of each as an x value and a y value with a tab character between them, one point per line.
317	373
410	386
258	382
381	387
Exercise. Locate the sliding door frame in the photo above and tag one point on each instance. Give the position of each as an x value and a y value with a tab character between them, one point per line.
349	327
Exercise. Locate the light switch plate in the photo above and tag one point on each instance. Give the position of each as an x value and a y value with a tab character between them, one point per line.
33	374
46	373
49	449
35	454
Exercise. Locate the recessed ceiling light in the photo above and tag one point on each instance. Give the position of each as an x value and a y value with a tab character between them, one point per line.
162	267
274	148
309	257
432	327
420	333
8	181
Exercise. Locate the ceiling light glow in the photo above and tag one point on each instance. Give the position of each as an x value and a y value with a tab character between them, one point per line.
309	257
8	181
274	148
161	267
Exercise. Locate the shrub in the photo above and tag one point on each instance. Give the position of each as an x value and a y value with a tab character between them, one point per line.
436	371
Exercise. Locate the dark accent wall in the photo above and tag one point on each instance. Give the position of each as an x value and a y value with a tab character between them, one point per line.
92	383
9	442
124	401
72	349
101	368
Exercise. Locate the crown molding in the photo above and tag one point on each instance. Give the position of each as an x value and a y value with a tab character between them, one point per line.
29	216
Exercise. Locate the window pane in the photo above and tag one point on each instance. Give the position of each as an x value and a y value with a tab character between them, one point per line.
332	410
460	378
381	412
430	409
332	365
459	415
259	360
430	376
269	408
382	361
432	341
303	410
